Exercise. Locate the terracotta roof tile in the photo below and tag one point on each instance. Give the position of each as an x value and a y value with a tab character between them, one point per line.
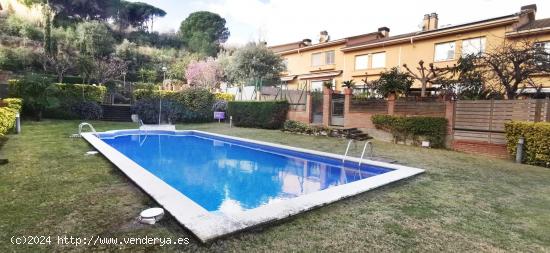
536	24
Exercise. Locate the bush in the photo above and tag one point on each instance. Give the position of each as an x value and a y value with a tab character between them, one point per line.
295	126
8	114
224	96
269	114
433	129
87	110
81	92
7	119
14	103
67	92
190	105
66	96
18	59
537	141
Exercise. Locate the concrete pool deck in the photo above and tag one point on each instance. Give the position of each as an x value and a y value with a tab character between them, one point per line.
208	226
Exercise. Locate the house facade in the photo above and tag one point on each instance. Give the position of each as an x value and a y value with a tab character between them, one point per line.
365	56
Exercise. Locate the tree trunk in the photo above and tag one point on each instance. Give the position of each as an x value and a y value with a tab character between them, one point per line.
423	90
39	115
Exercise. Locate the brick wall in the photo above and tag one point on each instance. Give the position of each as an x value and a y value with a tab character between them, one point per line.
301	116
481	148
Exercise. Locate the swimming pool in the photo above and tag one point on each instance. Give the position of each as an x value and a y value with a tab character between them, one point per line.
215	185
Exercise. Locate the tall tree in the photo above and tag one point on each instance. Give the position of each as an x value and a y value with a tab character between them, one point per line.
137	14
511	66
427	75
203	32
95	39
255	62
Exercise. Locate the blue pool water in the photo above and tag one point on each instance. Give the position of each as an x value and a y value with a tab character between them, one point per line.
226	175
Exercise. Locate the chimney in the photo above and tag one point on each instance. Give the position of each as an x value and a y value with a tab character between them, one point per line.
306	42
430	22
384	31
526	15
426	22
324	37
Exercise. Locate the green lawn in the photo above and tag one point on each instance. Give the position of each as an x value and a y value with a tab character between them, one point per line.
462	203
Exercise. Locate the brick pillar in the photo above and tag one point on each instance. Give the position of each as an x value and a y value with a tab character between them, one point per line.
308	107
348	93
391	103
327	100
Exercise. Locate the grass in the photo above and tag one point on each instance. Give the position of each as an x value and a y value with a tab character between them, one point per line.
462	203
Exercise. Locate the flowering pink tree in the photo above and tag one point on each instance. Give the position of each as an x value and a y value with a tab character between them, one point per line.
204	74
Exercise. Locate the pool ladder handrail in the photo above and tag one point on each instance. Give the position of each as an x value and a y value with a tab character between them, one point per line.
347	150
371	151
83	124
367	144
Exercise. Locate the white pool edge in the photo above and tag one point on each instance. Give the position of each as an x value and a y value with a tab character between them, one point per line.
207	226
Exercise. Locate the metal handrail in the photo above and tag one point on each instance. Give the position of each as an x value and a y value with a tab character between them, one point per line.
347	149
86	124
371	151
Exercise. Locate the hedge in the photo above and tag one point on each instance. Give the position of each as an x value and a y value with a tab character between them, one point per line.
265	114
74	92
189	105
8	113
70	96
536	149
433	129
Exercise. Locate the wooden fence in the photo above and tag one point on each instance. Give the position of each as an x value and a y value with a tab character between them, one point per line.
369	105
420	108
483	120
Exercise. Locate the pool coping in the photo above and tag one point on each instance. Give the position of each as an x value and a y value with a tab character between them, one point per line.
208	226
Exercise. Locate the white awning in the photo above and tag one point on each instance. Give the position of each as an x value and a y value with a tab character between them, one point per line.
321	75
287	78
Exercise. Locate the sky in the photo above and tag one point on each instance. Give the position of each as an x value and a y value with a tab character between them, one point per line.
284	21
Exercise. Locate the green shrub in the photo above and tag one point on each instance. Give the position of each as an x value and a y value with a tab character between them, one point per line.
87	110
433	129
537	141
66	96
269	114
8	114
7	119
18	59
295	126
14	103
72	92
81	92
196	104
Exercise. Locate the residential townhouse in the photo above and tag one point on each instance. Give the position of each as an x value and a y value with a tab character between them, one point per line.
365	56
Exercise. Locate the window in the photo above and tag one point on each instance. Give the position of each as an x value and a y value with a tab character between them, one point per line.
473	46
361	62
379	60
285	63
316	85
317	59
444	51
323	58
545	51
329	56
